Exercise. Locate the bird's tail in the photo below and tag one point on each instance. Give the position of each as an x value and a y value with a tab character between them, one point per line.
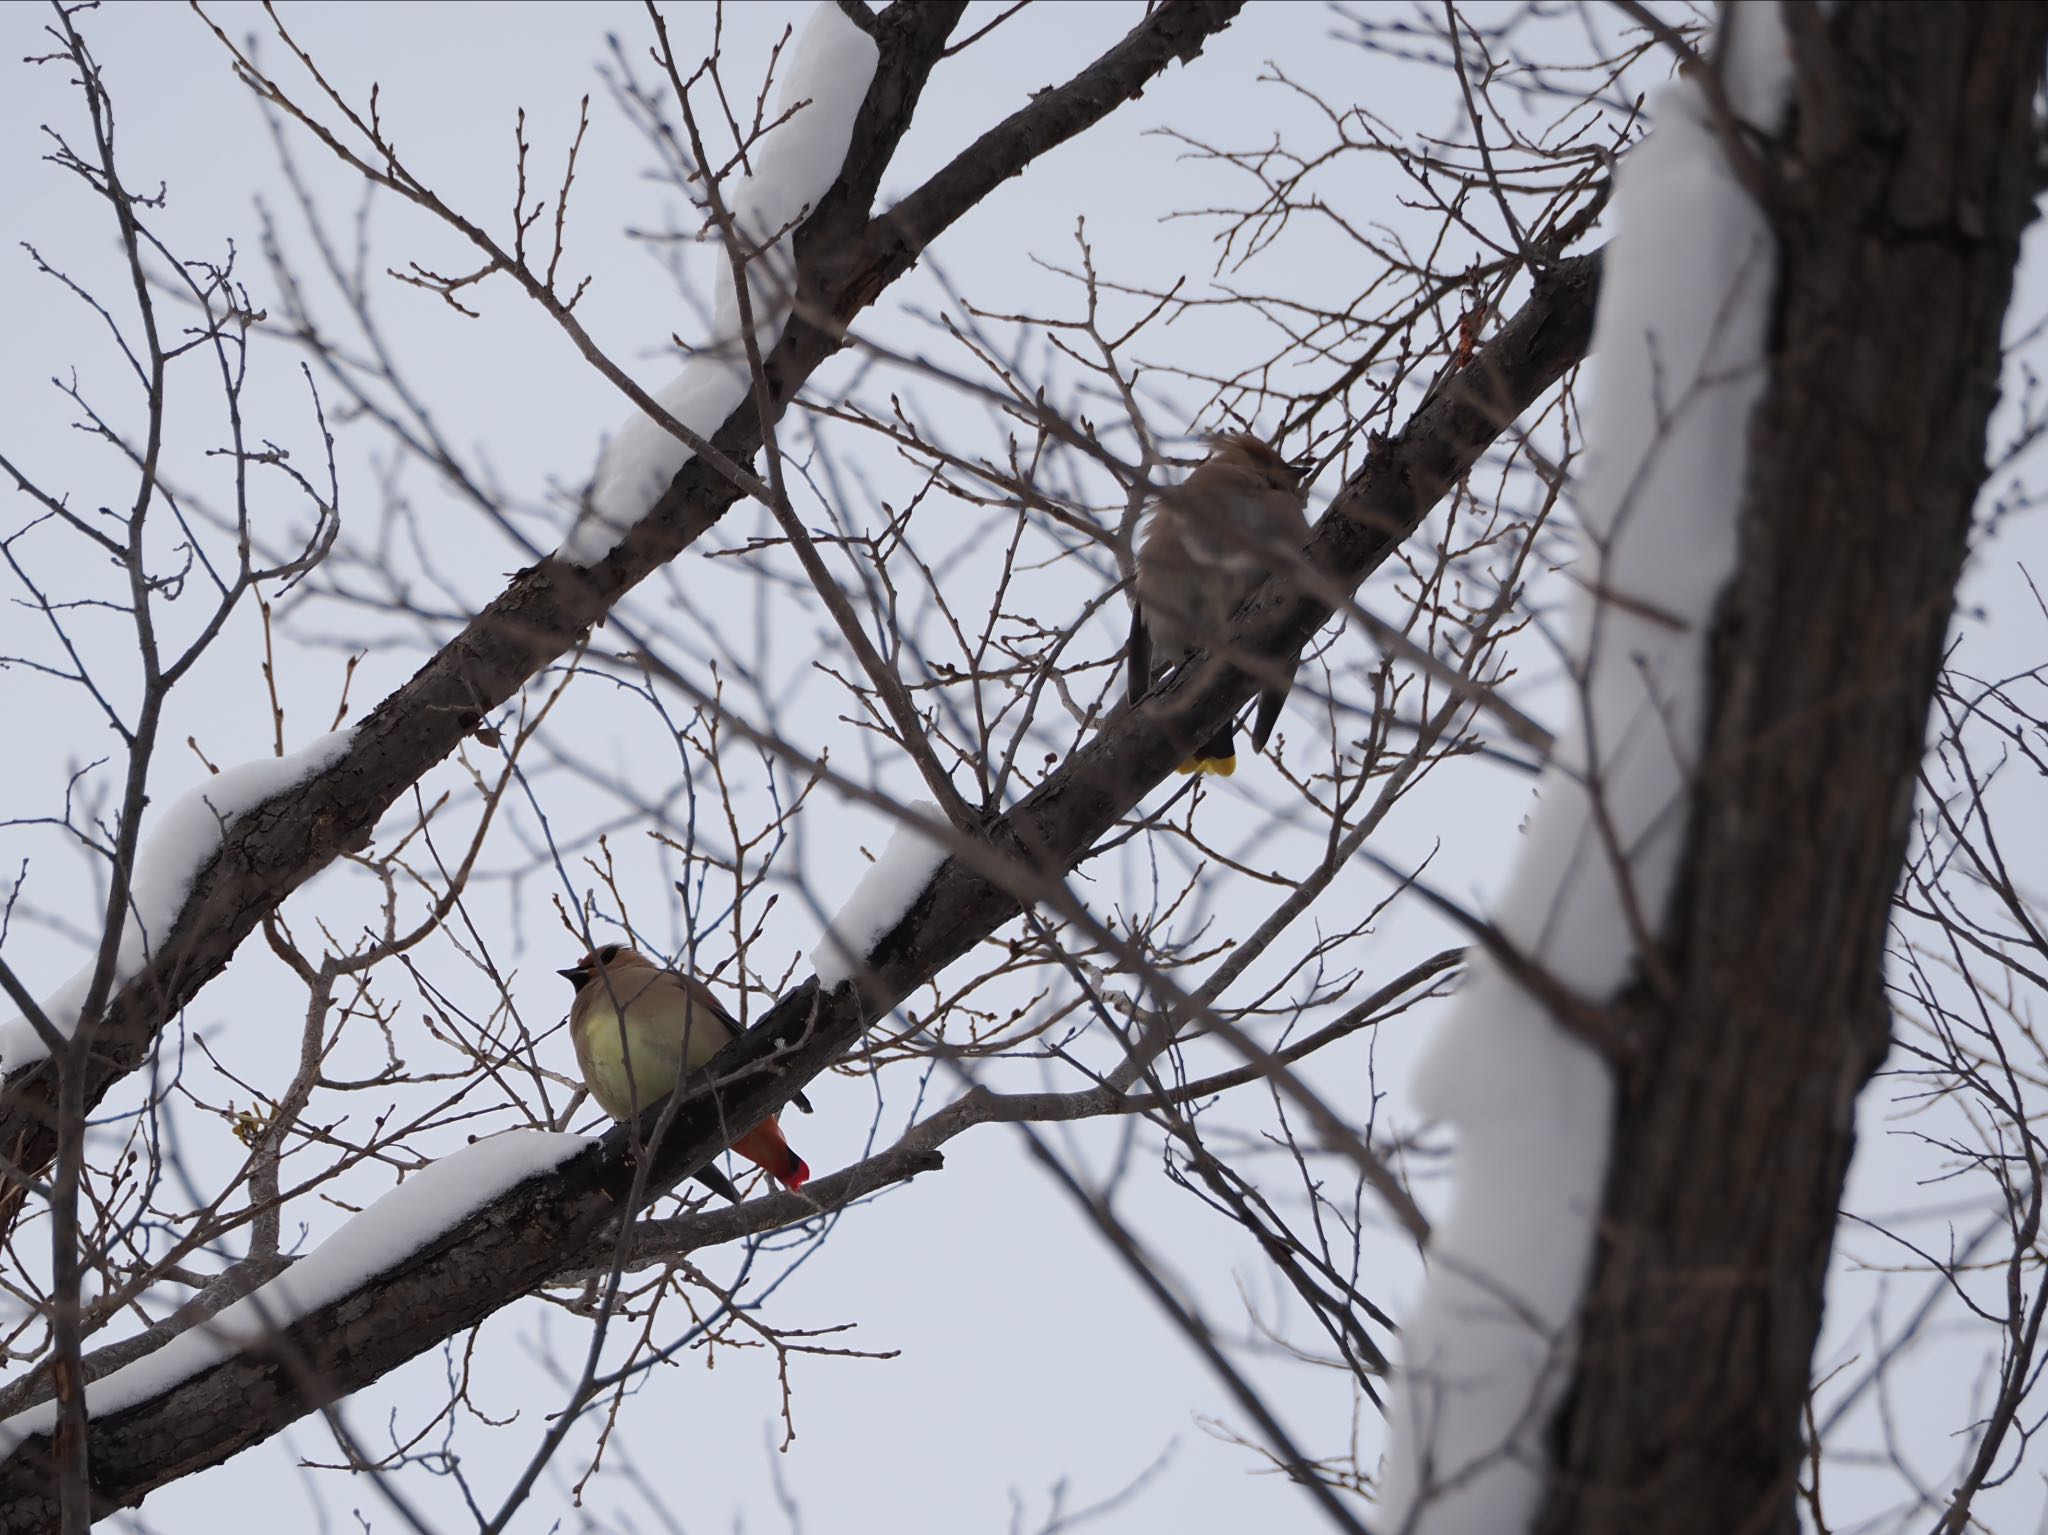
1140	655
717	1182
764	1147
1218	757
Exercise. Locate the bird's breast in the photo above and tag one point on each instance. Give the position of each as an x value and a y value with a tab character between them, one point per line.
1217	553
629	1068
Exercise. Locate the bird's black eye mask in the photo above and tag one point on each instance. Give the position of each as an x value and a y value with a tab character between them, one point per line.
580	974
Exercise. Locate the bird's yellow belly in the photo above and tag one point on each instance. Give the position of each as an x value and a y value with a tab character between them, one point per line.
630	1071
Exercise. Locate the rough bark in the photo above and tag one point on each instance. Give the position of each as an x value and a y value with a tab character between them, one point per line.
1899	192
531	1234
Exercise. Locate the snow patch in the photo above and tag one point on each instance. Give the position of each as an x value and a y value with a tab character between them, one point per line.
166	862
1679	349
432	1201
885	893
830	67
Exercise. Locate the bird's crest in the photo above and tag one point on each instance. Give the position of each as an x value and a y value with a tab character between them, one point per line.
1261	453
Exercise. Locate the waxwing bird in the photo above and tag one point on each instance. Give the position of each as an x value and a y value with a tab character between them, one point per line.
638	1029
1213	540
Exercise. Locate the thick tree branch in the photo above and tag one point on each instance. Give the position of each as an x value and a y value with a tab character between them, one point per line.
548	608
529	1235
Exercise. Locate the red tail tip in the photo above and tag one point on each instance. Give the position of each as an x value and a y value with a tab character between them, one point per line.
799	1173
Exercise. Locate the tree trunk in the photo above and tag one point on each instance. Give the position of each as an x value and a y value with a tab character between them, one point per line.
1902	182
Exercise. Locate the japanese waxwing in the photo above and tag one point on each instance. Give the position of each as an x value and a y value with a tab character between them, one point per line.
638	1029
1213	540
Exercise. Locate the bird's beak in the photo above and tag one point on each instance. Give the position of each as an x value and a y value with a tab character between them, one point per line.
571	975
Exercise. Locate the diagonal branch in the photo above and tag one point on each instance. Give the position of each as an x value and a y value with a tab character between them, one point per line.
529	1235
844	261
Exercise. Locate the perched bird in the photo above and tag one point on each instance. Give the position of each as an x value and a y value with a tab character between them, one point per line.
671	1026
1213	540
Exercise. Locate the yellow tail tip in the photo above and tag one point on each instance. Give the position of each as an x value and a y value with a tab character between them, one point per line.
1220	767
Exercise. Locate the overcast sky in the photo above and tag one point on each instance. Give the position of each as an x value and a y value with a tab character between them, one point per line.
1025	1365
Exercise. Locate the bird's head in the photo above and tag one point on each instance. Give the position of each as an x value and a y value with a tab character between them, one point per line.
1256	457
612	958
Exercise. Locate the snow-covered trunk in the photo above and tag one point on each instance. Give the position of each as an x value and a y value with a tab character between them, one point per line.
1678	351
1898	193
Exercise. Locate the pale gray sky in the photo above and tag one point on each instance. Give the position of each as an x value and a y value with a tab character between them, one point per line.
1025	1360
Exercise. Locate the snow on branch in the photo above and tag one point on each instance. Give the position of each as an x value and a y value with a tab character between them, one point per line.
536	618
884	895
830	69
1679	365
176	849
500	1260
432	1201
